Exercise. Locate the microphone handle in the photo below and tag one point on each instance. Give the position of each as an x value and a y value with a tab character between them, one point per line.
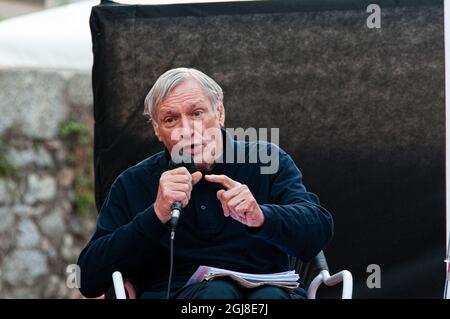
175	212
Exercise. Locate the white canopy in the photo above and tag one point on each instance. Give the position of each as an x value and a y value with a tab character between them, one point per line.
57	38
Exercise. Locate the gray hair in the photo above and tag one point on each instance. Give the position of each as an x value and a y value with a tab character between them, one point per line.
171	79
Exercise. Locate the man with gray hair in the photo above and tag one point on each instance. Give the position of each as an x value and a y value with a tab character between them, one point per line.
233	217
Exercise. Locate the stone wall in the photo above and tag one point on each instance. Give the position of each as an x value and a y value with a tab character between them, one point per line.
47	210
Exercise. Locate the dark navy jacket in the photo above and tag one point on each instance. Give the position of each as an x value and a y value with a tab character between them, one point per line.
130	237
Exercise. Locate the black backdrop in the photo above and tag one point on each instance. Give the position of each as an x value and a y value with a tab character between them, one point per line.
360	110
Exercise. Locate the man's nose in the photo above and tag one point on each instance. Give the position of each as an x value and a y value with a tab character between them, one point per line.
187	126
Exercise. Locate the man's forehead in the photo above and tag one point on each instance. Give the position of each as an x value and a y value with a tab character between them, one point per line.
187	88
187	94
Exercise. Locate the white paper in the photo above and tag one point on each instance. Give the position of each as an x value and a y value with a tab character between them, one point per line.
287	280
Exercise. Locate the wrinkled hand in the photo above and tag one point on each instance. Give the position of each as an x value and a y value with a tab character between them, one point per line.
237	201
174	185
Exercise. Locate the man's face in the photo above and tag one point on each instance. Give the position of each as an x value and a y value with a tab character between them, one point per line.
187	124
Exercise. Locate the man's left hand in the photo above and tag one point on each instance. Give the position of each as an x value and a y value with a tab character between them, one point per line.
237	201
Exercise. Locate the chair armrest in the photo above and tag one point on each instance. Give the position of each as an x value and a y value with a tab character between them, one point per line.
123	290
324	278
119	287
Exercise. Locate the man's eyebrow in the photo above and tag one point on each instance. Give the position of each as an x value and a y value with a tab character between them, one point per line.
197	103
165	111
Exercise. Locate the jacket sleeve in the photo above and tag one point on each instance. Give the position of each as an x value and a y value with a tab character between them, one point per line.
119	242
294	220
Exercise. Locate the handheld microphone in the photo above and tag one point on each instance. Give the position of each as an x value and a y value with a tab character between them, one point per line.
180	161
185	161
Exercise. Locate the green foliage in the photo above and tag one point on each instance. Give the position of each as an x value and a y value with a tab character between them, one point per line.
78	141
73	129
84	200
7	169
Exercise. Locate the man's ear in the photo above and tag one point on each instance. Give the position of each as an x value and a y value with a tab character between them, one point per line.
221	111
156	130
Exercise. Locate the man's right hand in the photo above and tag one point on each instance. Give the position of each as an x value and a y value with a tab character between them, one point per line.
174	186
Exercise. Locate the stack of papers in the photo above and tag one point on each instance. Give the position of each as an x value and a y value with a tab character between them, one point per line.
287	280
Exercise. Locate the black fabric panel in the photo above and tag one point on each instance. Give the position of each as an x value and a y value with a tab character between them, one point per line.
361	112
259	7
